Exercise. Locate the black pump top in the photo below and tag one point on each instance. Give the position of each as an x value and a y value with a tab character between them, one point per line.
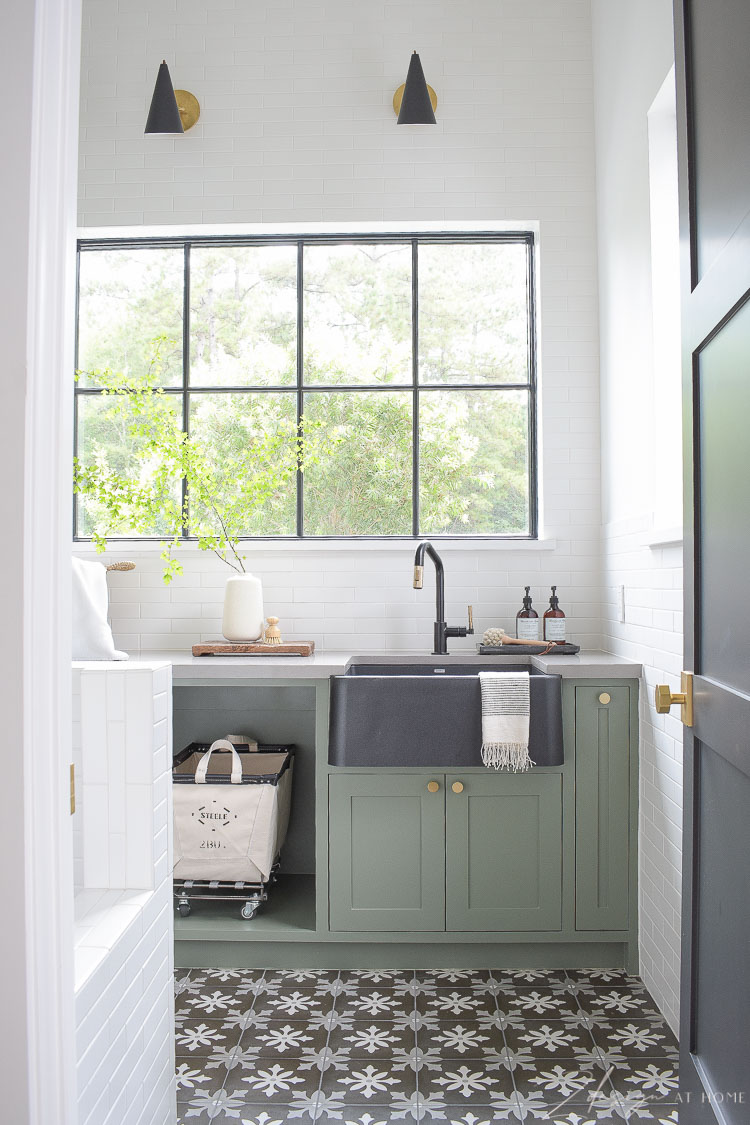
527	599
554	602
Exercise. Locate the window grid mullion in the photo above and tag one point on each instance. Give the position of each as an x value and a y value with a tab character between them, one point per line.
327	388
415	388
299	475
531	436
185	530
75	384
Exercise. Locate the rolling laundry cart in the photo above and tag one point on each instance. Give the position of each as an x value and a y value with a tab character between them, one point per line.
231	812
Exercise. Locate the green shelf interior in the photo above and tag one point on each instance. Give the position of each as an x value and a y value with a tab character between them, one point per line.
289	914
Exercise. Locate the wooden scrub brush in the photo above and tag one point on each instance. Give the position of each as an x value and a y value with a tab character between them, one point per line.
272	635
493	638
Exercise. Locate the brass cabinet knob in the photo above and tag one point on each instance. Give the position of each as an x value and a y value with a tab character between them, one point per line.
457	786
605	697
432	786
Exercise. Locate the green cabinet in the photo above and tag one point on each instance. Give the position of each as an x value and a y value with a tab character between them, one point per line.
504	852
383	869
603	770
407	852
386	852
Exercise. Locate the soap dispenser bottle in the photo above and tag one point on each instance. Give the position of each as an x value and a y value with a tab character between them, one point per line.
554	621
527	621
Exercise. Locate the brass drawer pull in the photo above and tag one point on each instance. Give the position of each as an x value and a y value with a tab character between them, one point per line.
457	786
605	698
432	786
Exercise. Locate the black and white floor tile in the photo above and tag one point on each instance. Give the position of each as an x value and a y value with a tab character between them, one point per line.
470	1047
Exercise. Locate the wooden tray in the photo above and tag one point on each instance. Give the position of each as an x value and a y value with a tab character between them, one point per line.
254	648
567	649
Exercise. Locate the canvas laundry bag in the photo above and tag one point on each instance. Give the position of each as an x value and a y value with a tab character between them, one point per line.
231	831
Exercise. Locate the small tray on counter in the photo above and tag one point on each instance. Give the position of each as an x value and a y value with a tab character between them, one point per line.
567	649
254	648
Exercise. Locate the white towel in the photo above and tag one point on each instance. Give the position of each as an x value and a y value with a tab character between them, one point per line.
92	635
505	720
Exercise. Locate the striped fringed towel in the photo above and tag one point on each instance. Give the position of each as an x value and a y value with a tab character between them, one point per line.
505	720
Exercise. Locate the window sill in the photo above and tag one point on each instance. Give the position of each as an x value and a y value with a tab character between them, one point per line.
137	547
665	537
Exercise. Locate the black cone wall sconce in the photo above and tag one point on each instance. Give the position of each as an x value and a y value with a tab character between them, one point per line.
415	101
172	111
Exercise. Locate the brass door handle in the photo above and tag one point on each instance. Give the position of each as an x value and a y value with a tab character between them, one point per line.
432	786
457	786
664	698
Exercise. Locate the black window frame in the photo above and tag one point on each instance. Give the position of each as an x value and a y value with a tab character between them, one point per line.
526	238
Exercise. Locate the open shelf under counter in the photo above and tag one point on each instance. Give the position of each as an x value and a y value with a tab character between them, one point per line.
288	915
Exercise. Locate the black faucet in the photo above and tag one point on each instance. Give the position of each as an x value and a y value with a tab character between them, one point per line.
442	631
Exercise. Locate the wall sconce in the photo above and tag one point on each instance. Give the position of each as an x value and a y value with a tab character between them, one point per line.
172	111
415	101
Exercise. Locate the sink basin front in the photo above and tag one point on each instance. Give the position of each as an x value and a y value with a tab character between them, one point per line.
430	715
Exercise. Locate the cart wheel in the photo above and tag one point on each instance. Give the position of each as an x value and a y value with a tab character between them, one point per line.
250	909
184	909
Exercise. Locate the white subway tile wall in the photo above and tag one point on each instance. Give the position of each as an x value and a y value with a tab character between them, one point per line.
297	122
652	634
122	743
350	600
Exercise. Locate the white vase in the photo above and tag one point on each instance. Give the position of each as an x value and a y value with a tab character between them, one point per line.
243	608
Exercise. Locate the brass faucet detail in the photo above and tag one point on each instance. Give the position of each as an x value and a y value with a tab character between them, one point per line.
441	631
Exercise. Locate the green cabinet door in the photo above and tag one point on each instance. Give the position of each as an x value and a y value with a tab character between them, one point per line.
386	852
504	852
602	725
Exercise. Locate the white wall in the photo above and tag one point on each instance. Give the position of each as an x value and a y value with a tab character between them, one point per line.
297	123
297	126
633	52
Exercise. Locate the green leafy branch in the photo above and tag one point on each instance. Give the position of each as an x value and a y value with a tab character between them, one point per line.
133	474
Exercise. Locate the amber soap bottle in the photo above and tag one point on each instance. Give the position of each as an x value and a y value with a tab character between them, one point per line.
554	621
528	625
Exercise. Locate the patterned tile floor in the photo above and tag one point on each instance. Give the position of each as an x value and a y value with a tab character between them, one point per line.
459	1047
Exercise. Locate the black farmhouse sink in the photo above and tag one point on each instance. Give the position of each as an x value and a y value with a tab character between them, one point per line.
430	715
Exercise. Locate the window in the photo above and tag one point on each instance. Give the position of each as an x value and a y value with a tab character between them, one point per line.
408	364
666	445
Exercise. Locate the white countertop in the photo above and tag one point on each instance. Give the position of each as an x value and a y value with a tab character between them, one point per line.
321	665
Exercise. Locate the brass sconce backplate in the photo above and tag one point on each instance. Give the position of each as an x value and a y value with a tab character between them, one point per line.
189	108
399	95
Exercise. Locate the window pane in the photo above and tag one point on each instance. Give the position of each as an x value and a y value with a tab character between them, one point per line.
473	320
106	440
128	299
362	483
243	316
248	442
474	468
357	326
